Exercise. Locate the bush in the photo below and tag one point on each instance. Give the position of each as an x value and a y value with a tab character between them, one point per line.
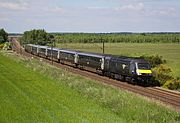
1	46
172	84
7	46
154	60
162	73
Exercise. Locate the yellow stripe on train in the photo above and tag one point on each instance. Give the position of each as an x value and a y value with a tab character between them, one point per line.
144	71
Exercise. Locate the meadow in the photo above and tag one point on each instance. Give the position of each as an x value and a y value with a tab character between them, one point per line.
34	91
169	51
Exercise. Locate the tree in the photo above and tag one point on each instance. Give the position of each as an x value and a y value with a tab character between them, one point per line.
1	39
40	37
3	36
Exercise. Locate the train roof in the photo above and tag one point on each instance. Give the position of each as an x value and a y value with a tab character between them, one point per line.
91	54
129	59
32	45
42	46
68	51
49	48
56	49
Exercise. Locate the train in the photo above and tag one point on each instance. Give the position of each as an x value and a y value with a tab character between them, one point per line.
129	69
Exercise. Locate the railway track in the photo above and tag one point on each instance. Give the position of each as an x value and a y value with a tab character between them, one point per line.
167	97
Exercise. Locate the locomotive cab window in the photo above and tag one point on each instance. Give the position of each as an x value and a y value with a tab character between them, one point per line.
144	66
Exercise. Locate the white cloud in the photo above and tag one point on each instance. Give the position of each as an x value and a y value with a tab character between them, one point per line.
55	9
165	11
131	7
13	6
96	8
4	19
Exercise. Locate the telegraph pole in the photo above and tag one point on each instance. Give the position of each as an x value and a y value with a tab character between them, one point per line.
102	44
52	45
51	52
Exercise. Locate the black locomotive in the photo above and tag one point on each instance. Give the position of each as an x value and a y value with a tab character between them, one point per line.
134	70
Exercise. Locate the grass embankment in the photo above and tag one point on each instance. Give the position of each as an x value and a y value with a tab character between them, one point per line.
170	52
42	93
28	96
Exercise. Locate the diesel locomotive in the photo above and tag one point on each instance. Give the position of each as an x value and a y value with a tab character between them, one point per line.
133	70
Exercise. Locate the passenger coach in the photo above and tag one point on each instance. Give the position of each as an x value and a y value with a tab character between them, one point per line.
92	60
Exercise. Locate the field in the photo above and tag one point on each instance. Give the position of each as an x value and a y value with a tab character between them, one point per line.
33	91
170	52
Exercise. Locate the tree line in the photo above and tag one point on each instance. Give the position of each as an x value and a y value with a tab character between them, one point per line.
117	38
41	37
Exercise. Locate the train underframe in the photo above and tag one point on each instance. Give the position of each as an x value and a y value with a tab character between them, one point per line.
139	80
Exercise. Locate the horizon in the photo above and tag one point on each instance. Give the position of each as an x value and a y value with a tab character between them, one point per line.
102	32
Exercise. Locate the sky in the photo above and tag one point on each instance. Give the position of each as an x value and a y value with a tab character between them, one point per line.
102	16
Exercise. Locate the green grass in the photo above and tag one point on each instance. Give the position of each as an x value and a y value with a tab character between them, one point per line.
27	96
37	92
170	52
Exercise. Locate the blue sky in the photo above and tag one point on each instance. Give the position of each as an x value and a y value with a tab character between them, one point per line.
90	15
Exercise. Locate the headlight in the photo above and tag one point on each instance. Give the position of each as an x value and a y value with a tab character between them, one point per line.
139	73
